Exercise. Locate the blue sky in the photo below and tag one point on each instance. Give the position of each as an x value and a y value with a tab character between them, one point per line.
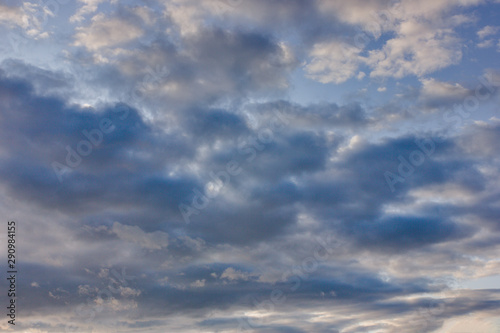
252	165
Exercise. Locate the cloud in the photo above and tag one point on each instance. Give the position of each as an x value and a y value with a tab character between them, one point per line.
151	241
479	139
30	17
129	292
198	284
106	32
45	82
435	93
232	274
88	7
333	62
414	46
487	31
355	12
486	43
418	49
311	116
406	232
12	14
135	108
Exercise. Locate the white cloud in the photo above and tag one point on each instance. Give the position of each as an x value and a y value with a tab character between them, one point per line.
103	273
418	49
487	31
86	290
31	17
13	15
486	43
431	8
369	14
35	330
333	62
188	18
198	284
88	7
116	305
233	274
424	41
106	32
436	94
129	292
479	323
434	89
153	241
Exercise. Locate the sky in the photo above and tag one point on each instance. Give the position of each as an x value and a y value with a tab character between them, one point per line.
251	165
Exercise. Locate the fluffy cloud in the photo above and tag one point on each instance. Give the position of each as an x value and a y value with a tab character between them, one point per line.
435	93
233	274
151	241
31	17
146	107
105	32
88	7
419	49
419	44
12	15
487	31
333	62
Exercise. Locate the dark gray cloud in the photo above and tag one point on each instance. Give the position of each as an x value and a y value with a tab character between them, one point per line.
405	233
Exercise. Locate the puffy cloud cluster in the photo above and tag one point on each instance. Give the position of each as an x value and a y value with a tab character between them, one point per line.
357	215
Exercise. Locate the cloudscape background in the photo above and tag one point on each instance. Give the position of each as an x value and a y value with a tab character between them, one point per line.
252	165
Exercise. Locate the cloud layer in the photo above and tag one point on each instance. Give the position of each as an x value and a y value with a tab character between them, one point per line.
166	176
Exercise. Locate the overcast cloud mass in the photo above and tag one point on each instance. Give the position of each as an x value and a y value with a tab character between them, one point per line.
252	165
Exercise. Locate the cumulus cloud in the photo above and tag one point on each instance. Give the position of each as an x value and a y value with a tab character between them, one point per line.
151	241
233	274
12	15
30	17
417	44
419	49
88	7
106	32
487	31
333	62
311	208
435	93
486	36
